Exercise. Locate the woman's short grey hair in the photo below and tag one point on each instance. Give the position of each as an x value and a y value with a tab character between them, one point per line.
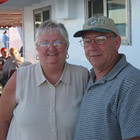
50	26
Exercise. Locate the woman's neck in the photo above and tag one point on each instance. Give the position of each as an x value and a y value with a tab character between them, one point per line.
53	73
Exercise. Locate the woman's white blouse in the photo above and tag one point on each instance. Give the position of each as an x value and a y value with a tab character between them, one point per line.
44	111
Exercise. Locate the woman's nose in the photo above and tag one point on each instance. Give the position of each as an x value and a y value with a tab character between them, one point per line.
52	47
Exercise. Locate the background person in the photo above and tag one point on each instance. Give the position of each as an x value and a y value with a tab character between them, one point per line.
4	57
5	39
11	64
111	105
44	98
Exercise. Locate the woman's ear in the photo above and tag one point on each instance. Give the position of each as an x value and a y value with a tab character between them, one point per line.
68	46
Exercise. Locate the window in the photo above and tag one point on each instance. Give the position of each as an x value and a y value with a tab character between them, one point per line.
41	15
118	10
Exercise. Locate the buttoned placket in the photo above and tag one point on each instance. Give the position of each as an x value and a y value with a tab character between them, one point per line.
53	114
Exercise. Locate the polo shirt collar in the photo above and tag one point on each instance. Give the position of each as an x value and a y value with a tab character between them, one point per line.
65	77
117	68
114	72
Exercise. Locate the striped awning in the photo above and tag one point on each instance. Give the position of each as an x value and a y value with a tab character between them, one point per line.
2	1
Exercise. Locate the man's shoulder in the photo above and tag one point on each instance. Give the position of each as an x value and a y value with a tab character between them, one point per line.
131	70
130	74
8	57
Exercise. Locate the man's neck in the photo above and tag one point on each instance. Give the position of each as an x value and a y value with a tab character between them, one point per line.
102	72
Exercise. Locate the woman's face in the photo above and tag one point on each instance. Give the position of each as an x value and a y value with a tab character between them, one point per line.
52	48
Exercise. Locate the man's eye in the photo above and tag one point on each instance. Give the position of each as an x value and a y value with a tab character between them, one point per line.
100	38
86	41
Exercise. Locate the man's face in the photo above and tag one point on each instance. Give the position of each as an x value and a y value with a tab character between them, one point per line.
4	53
101	53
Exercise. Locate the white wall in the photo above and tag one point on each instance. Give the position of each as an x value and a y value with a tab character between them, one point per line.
74	22
133	52
29	47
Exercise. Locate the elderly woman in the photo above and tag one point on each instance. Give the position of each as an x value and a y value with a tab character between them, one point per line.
41	101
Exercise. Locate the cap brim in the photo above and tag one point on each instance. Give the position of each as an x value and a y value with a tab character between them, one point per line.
82	32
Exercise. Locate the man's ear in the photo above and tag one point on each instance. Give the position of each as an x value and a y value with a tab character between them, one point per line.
118	43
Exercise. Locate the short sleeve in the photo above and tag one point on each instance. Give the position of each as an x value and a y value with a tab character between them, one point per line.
129	113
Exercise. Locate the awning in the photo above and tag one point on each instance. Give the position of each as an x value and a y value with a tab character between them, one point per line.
10	19
2	1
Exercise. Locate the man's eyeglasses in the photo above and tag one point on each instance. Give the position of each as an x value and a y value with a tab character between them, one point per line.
56	44
99	40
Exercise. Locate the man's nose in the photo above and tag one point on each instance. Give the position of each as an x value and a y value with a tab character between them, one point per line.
93	44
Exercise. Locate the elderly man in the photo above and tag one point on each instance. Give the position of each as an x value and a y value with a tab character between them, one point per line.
110	109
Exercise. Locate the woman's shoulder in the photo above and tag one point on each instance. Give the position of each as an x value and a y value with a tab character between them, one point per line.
25	63
77	67
28	66
78	70
28	74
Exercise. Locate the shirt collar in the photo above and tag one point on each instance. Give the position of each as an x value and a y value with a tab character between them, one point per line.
65	77
39	74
